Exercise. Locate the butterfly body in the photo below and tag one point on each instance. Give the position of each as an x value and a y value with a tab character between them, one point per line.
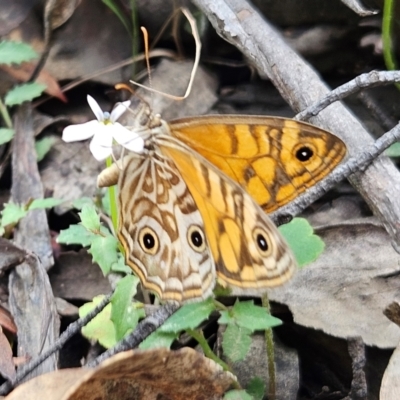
186	216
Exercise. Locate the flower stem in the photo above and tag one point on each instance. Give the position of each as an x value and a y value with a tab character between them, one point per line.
269	344
113	202
199	337
6	116
387	42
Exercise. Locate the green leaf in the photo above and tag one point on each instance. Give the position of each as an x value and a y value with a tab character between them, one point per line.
300	236
90	219
256	388
50	202
6	135
12	213
104	252
158	339
124	313
121	267
100	328
43	146
83	201
119	13
393	150
189	316
237	395
76	234
250	316
24	92
236	342
16	52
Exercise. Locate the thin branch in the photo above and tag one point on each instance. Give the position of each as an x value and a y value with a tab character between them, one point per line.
72	329
143	329
370	80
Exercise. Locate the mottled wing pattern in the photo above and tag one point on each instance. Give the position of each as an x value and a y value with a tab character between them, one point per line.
161	229
273	159
249	252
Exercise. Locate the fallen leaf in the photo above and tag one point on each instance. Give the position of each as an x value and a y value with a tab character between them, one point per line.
140	374
7	368
345	291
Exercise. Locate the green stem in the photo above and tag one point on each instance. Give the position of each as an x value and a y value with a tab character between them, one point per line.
387	42
269	344
201	340
6	116
113	202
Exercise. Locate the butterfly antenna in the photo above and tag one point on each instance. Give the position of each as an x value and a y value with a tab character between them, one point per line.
197	40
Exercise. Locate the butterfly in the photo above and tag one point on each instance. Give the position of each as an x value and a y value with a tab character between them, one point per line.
193	206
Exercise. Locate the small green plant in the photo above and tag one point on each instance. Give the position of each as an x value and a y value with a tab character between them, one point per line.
12	213
15	53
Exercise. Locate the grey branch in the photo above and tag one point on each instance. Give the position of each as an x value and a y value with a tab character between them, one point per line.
369	80
240	24
142	331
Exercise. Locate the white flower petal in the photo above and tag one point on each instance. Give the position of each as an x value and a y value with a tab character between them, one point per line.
129	139
73	133
136	145
97	111
119	110
101	145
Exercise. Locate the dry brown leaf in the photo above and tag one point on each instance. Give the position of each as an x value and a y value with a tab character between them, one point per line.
148	375
57	12
7	368
6	321
346	290
24	71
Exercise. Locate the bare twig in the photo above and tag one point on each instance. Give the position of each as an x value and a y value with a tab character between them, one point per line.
369	80
143	329
57	345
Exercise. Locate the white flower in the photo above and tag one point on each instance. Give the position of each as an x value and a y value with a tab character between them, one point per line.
104	130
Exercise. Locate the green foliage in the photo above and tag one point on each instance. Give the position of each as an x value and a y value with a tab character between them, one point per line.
300	236
23	92
49	202
124	314
114	7
236	342
83	201
243	319
393	150
256	388
16	52
76	234
237	395
12	212
90	219
250	316
6	135
189	316
104	252
100	328
118	318
120	266
158	339
43	146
